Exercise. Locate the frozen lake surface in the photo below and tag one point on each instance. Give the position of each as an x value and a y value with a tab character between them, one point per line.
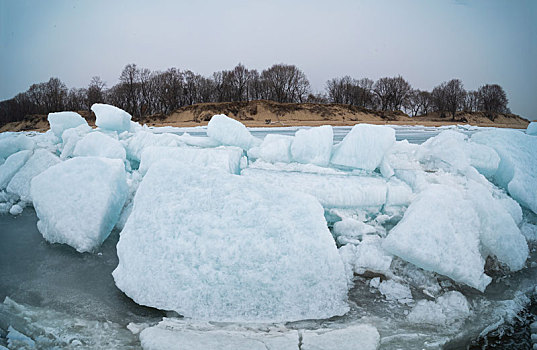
65	299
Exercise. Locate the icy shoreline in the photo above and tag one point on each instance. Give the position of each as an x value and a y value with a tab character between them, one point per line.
256	227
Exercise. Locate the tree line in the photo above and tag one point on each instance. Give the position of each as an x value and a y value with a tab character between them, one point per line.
143	92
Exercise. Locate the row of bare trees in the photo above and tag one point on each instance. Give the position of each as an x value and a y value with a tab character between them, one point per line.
395	93
142	92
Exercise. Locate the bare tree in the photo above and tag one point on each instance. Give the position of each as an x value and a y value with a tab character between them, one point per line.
95	92
391	92
492	99
285	83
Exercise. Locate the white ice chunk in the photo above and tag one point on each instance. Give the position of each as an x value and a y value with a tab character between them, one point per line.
275	148
79	201
38	162
17	340
440	232
12	164
449	308
61	121
111	118
143	139
97	144
352	228
11	142
517	172
395	291
362	336
16	209
532	128
368	255
226	158
364	146
450	150
313	145
197	141
399	193
228	249
231	132
70	138
333	191
169	333
499	233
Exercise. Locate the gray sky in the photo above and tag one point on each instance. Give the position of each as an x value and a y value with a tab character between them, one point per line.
427	42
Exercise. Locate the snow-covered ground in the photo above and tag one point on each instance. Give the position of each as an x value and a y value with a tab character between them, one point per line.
283	238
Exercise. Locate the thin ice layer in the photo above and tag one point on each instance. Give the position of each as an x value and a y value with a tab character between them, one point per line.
78	201
170	332
313	145
228	249
334	191
224	158
361	336
40	161
440	232
364	146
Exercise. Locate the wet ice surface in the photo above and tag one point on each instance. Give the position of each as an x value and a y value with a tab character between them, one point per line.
59	297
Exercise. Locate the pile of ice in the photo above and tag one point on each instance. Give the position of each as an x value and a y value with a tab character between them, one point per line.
231	227
228	248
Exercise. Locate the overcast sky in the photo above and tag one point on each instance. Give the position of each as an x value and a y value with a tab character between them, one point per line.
427	42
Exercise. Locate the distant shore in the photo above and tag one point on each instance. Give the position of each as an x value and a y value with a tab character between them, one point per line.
272	114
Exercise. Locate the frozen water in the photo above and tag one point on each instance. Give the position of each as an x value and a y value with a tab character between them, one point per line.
61	121
219	231
333	191
313	145
352	228
440	232
395	291
447	309
450	150
361	336
197	141
78	201
97	144
499	233
38	162
170	332
225	158
111	118
367	255
517	172
12	164
532	128
11	142
364	146
231	132
143	139
17	340
70	138
274	148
